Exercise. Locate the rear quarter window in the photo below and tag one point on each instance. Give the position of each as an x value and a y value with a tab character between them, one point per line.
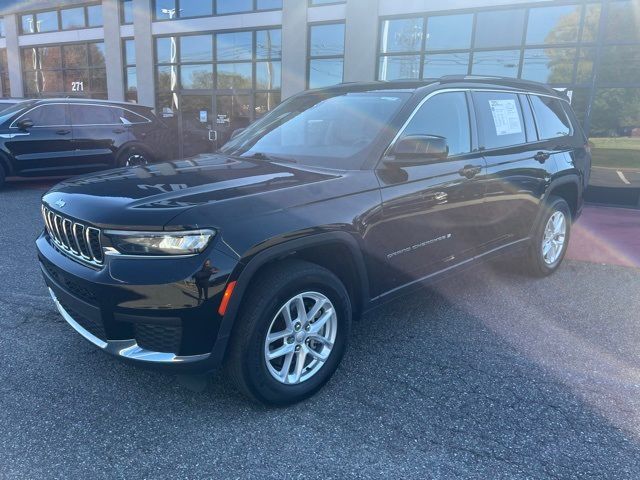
499	118
551	119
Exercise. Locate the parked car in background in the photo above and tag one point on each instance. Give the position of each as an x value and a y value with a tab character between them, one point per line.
259	256
9	102
73	136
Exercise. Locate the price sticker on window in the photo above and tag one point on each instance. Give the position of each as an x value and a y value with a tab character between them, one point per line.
505	117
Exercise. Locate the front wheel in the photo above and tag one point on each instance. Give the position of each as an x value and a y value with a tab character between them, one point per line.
291	333
550	241
133	157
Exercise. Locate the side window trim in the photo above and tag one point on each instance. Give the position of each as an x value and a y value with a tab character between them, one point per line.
66	116
417	108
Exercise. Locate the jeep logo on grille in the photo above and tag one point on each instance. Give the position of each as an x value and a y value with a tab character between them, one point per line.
60	203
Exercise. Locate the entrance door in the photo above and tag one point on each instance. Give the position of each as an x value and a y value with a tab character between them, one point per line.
233	111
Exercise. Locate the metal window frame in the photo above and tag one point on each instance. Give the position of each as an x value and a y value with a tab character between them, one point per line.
214	11
58	12
323	57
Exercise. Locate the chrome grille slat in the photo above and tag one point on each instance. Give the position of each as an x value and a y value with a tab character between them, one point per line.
74	239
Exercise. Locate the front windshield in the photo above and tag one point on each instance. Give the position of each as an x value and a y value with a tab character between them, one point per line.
321	129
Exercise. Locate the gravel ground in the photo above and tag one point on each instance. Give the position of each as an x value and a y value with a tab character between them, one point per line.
488	375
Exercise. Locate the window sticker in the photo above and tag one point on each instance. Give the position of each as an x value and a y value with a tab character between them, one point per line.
505	117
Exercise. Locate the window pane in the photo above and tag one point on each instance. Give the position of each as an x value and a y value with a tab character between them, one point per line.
3	32
445	115
265	102
196	77
500	121
94	15
399	67
165	9
129	52
131	79
499	29
327	40
620	64
234	75
196	8
48	115
269	43
325	72
268	75
96	54
28	23
549	65
234	46
75	56
323	2
72	18
449	32
235	110
551	120
553	24
167	104
127	11
92	115
98	80
404	35
167	78
585	64
503	63
269	4
622	22
47	57
591	22
47	21
76	80
438	65
196	48
166	50
233	6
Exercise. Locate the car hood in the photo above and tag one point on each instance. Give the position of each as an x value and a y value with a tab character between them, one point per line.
149	197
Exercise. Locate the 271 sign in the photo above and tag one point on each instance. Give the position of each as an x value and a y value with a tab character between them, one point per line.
77	86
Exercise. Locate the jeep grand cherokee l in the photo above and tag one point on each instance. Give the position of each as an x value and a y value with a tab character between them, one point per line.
71	136
259	256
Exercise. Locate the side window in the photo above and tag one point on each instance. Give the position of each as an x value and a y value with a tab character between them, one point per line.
128	117
92	115
48	115
500	121
445	115
551	120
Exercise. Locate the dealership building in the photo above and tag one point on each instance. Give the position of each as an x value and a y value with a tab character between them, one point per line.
219	64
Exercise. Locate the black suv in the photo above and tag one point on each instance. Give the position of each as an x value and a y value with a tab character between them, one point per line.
71	136
259	256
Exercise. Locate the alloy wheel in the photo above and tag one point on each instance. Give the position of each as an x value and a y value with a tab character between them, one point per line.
553	240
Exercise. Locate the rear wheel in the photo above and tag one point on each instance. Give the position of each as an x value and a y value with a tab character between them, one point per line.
133	157
291	333
551	239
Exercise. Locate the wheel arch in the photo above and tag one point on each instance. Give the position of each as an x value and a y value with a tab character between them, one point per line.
347	263
134	144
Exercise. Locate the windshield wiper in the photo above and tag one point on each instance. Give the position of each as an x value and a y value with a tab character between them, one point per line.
269	158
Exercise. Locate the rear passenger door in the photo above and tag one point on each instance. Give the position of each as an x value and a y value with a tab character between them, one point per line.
98	133
517	175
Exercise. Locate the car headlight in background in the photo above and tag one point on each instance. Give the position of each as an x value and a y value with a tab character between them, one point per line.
160	243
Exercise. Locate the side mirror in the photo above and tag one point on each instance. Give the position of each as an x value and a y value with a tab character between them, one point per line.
417	149
236	132
25	124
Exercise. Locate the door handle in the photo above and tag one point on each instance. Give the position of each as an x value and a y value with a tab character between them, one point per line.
118	130
470	171
541	157
63	132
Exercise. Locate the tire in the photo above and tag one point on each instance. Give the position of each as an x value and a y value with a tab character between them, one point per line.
133	156
262	313
536	262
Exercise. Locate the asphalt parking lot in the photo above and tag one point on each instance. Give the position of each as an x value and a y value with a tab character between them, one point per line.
489	375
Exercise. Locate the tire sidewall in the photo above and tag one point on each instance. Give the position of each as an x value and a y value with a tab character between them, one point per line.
556	204
124	155
259	380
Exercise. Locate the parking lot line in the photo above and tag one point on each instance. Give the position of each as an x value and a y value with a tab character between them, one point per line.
622	177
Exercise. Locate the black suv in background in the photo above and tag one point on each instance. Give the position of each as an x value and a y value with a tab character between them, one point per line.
73	136
258	257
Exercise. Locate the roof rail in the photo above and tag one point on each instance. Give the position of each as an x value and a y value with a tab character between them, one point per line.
506	81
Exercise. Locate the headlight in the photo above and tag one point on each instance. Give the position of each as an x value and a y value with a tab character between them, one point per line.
160	243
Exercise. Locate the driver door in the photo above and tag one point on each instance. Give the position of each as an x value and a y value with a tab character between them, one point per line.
431	208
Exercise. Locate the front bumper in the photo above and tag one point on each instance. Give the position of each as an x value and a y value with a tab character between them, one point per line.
145	311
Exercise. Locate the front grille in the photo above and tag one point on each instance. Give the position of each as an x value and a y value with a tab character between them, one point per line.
74	239
158	338
93	326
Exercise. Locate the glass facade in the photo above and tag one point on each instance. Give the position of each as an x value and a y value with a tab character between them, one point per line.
130	72
76	70
174	9
326	54
4	73
590	50
85	16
